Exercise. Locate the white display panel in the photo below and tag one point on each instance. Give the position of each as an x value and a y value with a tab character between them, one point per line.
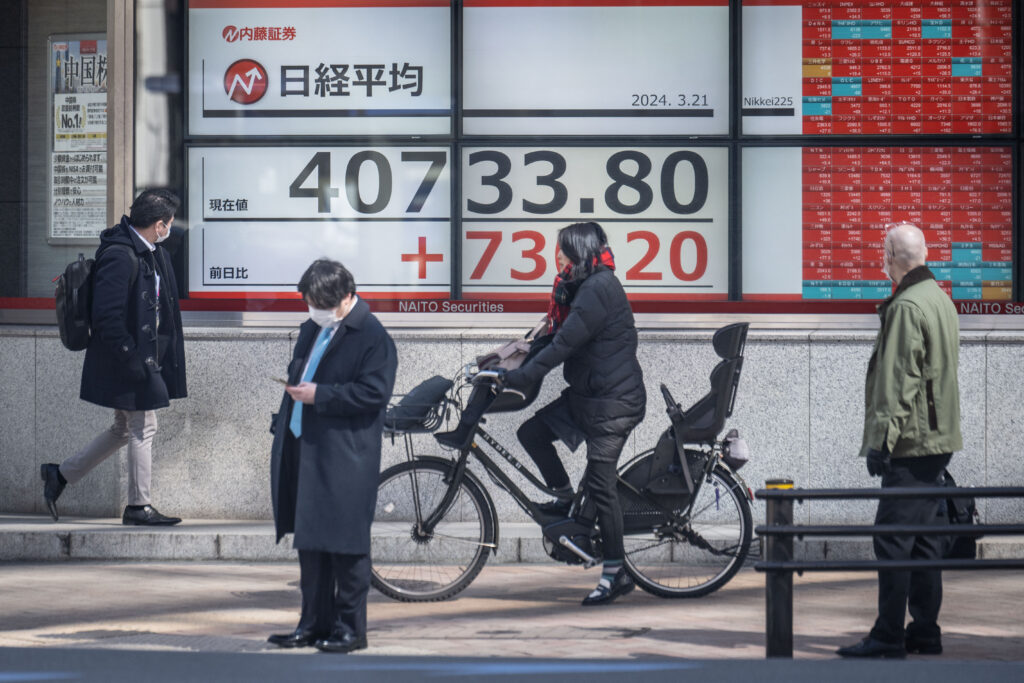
665	211
319	67
772	223
261	215
650	67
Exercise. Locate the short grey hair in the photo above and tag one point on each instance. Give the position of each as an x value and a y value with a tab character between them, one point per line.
905	245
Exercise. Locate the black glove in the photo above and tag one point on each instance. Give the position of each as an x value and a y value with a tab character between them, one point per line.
879	462
136	370
516	379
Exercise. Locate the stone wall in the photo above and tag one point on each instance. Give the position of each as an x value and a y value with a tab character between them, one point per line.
799	406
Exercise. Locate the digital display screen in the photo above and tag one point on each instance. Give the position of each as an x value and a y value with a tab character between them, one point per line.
443	145
258	67
814	217
567	67
664	210
871	67
261	215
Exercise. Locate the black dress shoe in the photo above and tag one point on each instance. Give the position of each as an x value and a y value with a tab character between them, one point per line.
556	508
923	646
342	643
297	638
147	515
53	486
458	438
605	593
871	648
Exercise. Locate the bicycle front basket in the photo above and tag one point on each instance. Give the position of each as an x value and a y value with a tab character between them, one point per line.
421	409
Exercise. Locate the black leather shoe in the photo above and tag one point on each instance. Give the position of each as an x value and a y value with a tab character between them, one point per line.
297	638
556	508
341	643
603	594
53	486
923	646
147	516
458	438
871	648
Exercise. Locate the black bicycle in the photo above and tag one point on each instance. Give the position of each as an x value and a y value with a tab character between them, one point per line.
686	512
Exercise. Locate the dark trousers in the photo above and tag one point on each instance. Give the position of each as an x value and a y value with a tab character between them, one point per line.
601	483
334	589
539	442
921	591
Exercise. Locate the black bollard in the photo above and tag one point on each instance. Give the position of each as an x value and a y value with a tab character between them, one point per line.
778	584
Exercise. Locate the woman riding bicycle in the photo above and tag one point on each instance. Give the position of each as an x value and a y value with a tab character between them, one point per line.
605	399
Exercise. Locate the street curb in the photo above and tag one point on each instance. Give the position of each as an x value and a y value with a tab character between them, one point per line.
34	538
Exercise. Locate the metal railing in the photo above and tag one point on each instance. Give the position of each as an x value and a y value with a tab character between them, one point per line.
779	531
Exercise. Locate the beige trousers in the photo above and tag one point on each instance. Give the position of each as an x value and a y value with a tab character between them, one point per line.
134	428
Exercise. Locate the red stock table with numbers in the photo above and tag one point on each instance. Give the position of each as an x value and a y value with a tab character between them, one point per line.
960	196
896	68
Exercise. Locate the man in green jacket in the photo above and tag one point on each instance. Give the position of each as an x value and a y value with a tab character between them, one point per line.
911	429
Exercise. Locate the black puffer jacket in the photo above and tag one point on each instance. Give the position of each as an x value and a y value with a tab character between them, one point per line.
598	343
132	363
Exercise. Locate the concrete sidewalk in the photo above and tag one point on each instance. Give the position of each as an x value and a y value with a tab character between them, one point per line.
514	610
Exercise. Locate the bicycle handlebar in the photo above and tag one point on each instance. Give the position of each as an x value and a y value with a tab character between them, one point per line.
497	378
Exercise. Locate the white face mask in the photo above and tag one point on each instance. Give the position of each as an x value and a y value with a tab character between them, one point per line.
322	316
160	238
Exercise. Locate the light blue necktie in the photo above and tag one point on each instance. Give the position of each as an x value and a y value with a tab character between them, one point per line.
314	360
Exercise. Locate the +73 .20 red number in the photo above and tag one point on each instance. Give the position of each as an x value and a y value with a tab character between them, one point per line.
639	271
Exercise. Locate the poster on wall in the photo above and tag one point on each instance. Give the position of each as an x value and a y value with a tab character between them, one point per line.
78	147
814	219
261	215
830	67
569	67
664	210
323	67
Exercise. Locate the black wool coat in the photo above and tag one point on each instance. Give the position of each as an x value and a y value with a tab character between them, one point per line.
324	484
598	344
134	361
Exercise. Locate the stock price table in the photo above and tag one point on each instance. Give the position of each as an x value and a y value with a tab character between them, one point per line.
960	196
873	67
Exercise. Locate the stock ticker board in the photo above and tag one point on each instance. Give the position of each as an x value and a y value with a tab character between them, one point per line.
869	67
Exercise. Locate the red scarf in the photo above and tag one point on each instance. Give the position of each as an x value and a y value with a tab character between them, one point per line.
557	313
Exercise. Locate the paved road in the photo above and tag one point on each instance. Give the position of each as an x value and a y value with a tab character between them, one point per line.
513	611
112	666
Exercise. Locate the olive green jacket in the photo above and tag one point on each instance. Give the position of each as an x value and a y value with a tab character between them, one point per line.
911	395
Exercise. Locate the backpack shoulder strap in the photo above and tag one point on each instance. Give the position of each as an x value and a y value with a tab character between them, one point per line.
135	262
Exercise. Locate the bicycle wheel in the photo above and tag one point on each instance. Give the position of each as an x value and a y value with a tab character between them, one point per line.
413	566
673	557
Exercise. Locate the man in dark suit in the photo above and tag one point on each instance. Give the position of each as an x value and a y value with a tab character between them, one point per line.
135	361
325	459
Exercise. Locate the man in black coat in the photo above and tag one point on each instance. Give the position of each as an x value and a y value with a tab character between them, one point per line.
325	460
135	361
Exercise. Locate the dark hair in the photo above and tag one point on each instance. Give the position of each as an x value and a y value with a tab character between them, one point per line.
325	283
582	243
153	205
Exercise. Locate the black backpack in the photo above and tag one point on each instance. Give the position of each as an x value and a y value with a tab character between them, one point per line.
73	299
